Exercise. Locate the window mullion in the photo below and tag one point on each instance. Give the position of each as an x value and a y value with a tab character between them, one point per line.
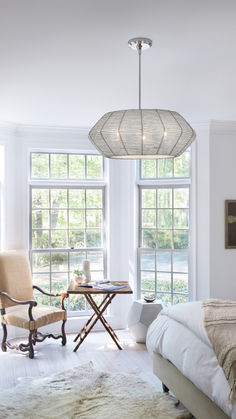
85	225
172	285
68	221
156	273
178	239
49	162
50	270
156	267
85	166
43	264
67	169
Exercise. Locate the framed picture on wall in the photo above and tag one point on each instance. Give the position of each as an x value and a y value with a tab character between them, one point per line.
230	224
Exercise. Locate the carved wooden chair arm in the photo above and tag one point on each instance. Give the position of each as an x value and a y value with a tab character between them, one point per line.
32	303
5	294
63	295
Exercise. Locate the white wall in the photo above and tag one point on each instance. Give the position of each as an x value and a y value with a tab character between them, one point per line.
222	187
215	182
201	222
123	225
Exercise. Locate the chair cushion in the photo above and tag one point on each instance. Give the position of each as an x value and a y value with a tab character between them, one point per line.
42	315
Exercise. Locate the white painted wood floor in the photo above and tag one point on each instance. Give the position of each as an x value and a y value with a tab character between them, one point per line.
98	347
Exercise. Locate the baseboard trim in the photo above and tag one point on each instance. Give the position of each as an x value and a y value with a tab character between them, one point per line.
73	325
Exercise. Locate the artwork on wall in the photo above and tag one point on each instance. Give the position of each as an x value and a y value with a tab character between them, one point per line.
230	224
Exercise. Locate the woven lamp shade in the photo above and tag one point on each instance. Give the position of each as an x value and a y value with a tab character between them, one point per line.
141	134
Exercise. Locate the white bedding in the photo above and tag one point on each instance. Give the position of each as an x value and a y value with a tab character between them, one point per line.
178	334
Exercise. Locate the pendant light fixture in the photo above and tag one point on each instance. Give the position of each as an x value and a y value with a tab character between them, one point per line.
141	133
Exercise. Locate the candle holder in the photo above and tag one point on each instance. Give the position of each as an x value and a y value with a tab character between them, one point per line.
86	269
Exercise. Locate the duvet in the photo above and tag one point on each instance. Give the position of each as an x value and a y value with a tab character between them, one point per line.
178	334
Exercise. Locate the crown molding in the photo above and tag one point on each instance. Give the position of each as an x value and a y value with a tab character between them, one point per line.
19	128
27	131
222	127
7	128
44	136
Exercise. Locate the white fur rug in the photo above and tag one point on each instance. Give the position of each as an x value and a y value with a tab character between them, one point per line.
85	393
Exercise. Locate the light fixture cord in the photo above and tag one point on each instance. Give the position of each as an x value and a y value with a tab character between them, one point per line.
139	47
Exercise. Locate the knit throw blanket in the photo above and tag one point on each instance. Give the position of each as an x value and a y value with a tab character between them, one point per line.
220	324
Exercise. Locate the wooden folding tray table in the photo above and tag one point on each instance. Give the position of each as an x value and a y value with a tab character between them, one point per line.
109	295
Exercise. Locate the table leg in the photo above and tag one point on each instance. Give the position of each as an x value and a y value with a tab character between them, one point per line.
102	318
104	322
110	298
89	320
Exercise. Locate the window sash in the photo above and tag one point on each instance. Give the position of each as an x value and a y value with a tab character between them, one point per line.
156	208
86	250
155	271
142	250
68	273
163	178
67	208
68	177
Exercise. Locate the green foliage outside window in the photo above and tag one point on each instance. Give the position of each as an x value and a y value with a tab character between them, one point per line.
166	168
63	218
40	165
63	166
69	219
164	229
165	217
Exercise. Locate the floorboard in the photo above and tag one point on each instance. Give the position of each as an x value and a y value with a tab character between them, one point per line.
98	348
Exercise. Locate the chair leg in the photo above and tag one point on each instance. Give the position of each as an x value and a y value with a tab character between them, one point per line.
63	342
31	347
35	336
4	339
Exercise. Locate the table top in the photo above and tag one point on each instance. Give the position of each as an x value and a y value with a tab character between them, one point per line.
75	289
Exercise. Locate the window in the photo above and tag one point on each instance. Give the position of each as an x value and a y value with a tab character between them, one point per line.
66	166
67	220
164	228
166	168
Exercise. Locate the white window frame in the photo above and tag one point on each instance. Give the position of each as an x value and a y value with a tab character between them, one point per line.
69	183
174	182
67	179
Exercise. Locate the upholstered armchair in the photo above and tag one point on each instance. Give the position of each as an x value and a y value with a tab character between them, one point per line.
18	305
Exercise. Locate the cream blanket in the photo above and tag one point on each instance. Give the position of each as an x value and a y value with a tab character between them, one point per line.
220	324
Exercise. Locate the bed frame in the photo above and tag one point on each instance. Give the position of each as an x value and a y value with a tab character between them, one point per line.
192	398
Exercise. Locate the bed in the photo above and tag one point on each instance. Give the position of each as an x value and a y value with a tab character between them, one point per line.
186	364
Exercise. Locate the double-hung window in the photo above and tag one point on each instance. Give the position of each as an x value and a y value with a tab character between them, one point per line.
67	218
164	239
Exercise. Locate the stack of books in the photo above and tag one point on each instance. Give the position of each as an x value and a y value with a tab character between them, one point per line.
103	285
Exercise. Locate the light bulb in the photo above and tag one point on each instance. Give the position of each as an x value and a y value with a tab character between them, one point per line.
165	133
144	138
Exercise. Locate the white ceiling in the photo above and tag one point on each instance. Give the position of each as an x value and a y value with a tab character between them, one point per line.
66	62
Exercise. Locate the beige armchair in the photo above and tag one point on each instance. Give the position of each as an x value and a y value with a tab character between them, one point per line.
16	289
